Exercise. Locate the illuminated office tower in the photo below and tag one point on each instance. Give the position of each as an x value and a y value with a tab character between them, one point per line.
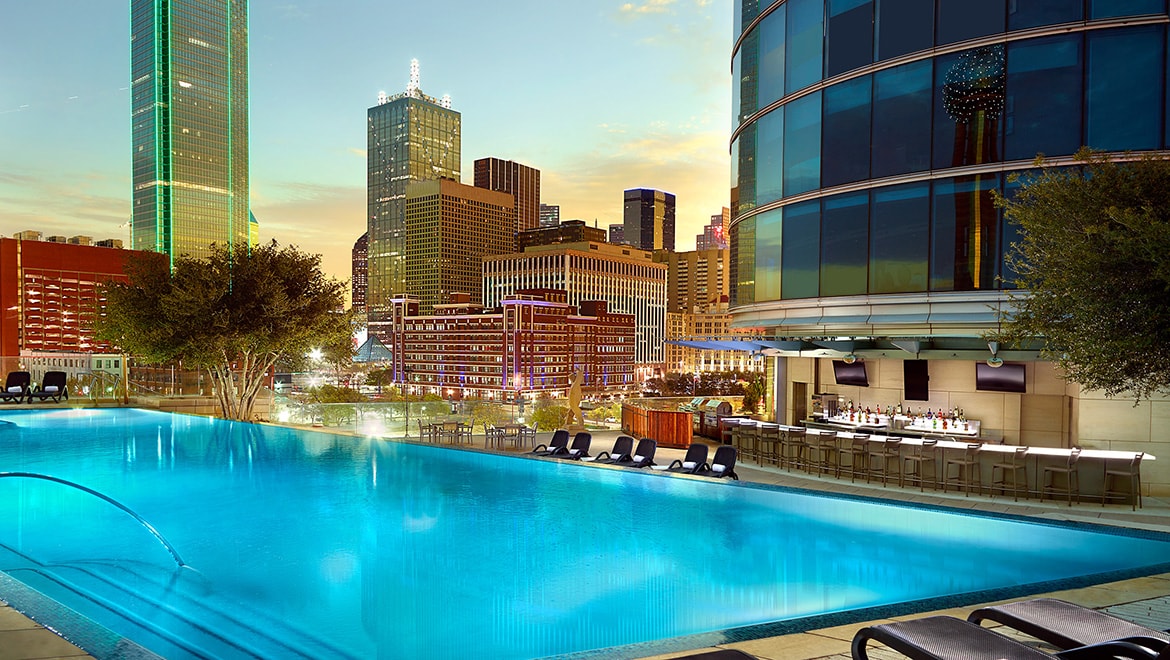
189	110
411	137
550	215
521	181
648	220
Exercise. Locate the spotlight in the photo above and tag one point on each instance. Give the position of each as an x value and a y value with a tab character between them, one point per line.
995	362
849	358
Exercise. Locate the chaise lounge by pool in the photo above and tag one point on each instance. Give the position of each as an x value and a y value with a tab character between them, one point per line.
306	544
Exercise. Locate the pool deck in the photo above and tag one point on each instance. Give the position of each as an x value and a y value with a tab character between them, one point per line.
1145	600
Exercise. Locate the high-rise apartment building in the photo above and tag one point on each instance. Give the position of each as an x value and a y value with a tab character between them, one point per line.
520	181
410	137
189	112
695	279
648	220
714	235
617	234
626	278
358	275
450	227
550	215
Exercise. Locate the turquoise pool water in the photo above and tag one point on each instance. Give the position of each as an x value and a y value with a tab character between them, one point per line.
305	544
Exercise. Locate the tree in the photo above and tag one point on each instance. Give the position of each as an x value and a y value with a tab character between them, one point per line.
233	313
1091	265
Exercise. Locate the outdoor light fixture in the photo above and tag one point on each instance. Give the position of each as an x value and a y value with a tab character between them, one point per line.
994	361
849	358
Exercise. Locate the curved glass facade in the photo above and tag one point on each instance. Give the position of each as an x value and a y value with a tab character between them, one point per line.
868	135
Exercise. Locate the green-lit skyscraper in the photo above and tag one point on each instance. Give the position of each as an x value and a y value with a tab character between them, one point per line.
411	137
189	104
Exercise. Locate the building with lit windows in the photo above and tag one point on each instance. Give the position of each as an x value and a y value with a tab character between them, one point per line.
869	136
528	346
358	274
648	219
695	279
569	231
550	215
617	234
520	181
626	278
711	325
715	233
410	137
189	112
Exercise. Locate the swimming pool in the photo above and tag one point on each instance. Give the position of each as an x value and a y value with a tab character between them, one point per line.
315	545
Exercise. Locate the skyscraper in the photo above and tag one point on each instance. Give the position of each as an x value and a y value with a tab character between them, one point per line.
714	235
550	215
648	220
521	181
411	137
358	278
189	111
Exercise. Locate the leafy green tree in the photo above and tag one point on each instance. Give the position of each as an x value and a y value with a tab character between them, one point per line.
334	394
1092	269
233	313
547	416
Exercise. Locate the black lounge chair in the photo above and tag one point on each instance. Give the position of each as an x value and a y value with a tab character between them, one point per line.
52	387
560	440
1065	625
720	654
15	387
695	459
577	450
723	465
948	638
643	455
621	449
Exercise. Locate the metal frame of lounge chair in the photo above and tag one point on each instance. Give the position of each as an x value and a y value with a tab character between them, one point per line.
622	446
948	638
643	455
559	440
19	379
1065	625
577	450
719	654
725	456
696	457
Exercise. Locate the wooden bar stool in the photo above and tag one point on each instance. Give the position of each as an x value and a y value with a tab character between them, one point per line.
768	444
1132	474
1013	465
913	465
967	470
794	448
858	452
885	452
826	453
1072	477
743	437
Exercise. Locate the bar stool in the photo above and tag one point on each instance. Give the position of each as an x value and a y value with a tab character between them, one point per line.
726	426
743	437
858	452
1072	477
886	451
920	456
967	470
826	453
794	448
768	444
1132	473
1014	465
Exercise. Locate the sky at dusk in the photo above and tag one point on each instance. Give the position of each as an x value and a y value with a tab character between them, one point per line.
600	96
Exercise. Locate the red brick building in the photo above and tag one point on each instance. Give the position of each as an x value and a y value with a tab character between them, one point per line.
530	345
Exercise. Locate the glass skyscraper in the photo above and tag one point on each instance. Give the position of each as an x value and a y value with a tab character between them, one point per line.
189	104
411	137
648	219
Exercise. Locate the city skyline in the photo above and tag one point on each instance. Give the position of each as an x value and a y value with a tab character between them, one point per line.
578	109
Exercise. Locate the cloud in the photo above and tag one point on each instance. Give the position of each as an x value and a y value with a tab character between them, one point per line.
89	204
319	219
648	7
291	11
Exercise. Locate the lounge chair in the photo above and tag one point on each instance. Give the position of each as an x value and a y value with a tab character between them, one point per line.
723	465
621	449
720	654
52	387
560	440
695	459
1065	625
643	455
15	387
948	638
577	450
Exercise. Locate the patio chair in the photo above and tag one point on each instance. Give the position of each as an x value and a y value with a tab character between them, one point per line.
948	638
493	436
643	455
695	458
1131	474
52	387
577	450
560	440
723	465
622	447
15	387
1065	625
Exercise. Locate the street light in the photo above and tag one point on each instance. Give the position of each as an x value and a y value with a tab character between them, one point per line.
406	397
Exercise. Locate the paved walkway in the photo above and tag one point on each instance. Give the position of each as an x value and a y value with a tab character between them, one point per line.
1146	600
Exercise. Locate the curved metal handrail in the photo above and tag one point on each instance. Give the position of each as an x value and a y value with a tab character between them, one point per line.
150	528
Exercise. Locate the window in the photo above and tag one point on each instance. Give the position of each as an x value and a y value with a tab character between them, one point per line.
769	234
969	107
899	239
1034	13
844	245
903	26
846	131
901	111
1043	81
771	58
960	20
1124	98
802	144
965	249
805	43
849	35
770	172
800	262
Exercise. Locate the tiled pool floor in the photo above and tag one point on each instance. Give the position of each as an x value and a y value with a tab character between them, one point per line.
1145	600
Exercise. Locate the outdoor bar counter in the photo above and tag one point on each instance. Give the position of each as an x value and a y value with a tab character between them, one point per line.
669	428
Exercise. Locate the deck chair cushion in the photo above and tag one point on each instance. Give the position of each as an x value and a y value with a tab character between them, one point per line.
689	465
16	388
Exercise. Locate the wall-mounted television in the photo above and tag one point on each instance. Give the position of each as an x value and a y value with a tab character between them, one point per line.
1006	378
850	374
916	380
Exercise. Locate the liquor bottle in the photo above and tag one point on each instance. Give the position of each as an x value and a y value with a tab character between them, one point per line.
898	410
944	424
930	413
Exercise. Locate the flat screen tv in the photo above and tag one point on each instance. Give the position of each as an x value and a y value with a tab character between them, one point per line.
916	378
850	374
1007	378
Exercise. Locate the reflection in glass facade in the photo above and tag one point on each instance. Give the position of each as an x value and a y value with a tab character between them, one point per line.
189	112
410	137
869	135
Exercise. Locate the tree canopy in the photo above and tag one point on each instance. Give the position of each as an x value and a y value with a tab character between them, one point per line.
233	313
1091	265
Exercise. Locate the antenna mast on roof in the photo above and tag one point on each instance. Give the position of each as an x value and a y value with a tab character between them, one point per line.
412	86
